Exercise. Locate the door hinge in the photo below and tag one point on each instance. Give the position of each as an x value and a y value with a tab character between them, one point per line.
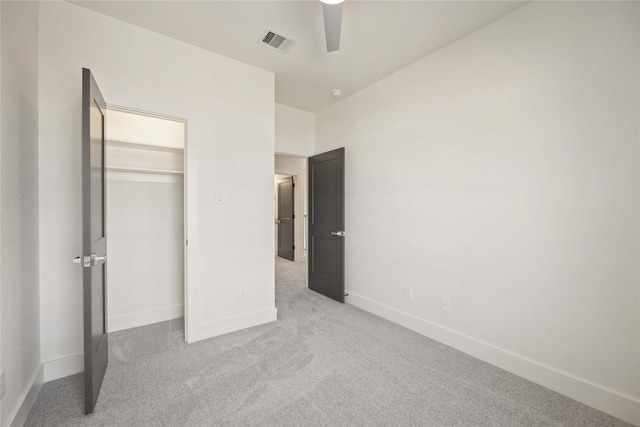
293	217
294	247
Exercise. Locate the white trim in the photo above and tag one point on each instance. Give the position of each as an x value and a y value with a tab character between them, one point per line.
140	175
63	366
147	147
18	416
232	324
147	317
146	113
617	404
301	156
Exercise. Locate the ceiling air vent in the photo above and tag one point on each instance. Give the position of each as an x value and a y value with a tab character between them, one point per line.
277	41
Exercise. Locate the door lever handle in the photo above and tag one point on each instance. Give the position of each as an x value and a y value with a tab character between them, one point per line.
338	233
96	260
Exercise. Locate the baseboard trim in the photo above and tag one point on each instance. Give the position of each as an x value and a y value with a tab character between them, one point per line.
18	416
63	366
232	324
609	401
143	318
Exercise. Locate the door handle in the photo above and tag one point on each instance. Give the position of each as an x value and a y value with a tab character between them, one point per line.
90	261
97	260
338	233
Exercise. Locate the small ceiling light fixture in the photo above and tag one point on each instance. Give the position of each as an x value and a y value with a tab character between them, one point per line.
336	93
331	1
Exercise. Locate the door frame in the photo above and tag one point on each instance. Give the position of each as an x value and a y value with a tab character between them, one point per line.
276	209
286	179
299	196
185	184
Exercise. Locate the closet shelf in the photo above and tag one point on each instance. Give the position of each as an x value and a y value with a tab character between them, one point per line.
145	171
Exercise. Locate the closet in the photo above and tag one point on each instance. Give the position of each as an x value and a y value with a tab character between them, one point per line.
145	218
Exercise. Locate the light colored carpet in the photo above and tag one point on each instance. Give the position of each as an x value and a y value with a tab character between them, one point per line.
321	363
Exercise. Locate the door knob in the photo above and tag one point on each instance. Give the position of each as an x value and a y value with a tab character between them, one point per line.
338	233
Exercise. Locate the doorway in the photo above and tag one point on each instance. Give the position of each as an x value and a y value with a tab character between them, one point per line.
295	168
145	165
285	216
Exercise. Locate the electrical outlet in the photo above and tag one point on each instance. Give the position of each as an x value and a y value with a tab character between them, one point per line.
408	292
2	386
446	304
242	293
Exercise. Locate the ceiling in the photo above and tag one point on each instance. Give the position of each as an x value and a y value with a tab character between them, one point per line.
378	37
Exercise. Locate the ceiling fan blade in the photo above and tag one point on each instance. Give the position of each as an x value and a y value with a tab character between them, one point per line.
332	25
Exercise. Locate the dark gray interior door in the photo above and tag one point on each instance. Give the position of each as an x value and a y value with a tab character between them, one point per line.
94	240
326	224
286	218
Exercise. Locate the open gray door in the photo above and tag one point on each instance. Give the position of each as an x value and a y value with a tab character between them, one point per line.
286	218
94	239
326	224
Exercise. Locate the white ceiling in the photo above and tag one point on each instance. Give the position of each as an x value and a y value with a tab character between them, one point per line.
378	37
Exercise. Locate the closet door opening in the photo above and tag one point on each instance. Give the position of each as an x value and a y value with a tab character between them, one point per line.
145	165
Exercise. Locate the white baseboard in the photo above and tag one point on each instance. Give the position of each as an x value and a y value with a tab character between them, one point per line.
18	416
142	318
231	324
619	405
63	366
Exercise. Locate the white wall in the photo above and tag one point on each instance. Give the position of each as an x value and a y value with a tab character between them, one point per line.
229	108
145	228
502	172
20	333
297	166
295	131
